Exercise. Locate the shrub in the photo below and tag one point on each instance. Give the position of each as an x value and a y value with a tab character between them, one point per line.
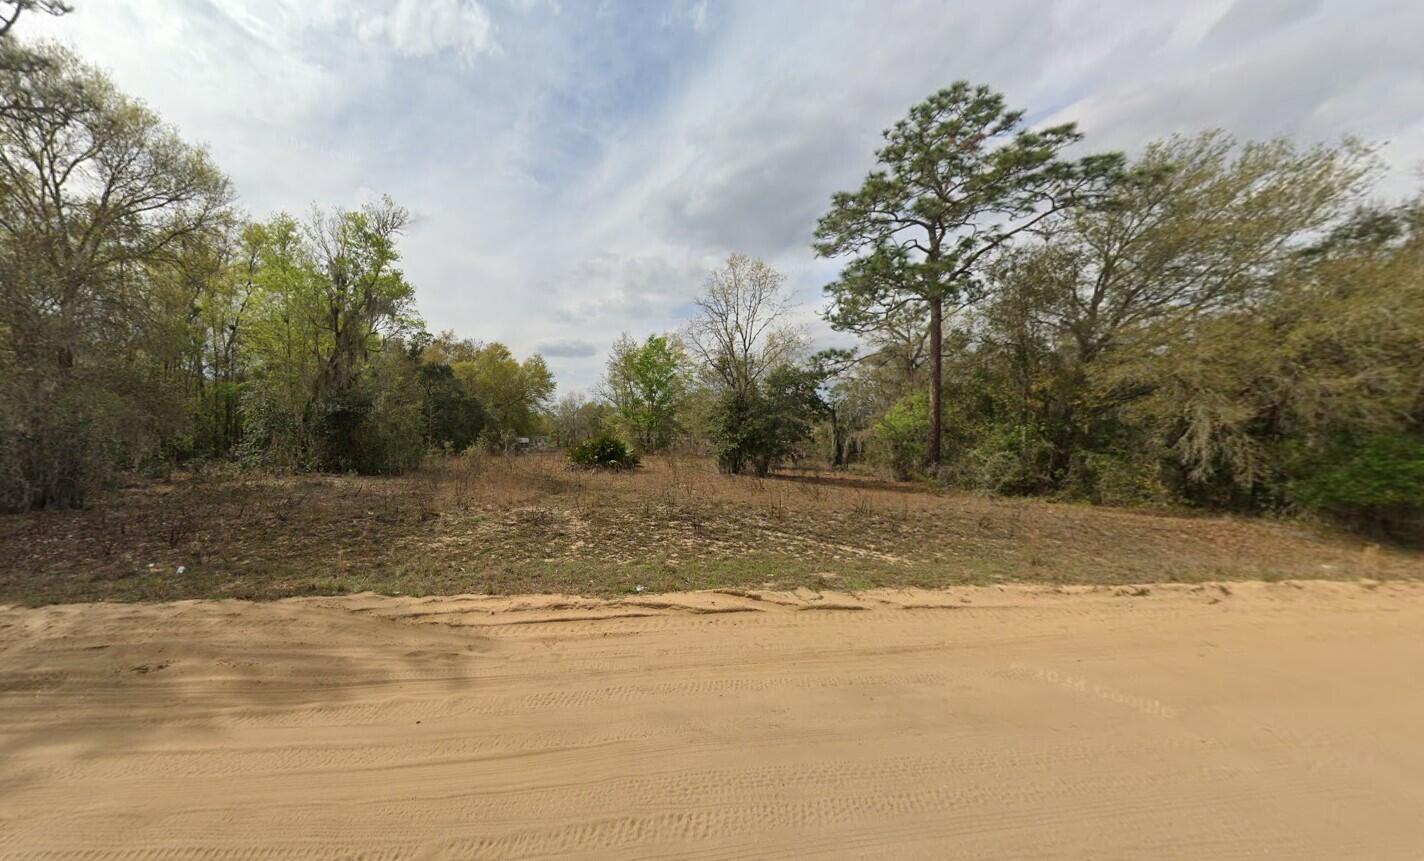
57	447
604	451
766	424
897	439
1374	481
1119	478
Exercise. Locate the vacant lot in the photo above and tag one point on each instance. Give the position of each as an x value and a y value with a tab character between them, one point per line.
1195	721
529	524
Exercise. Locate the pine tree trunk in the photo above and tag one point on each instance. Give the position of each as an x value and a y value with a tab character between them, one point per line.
936	381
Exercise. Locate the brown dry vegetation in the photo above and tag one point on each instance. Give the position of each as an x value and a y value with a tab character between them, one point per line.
530	524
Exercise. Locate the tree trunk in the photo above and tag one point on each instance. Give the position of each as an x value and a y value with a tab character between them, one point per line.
936	379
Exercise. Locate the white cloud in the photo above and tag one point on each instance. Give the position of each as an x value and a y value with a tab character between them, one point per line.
421	28
575	171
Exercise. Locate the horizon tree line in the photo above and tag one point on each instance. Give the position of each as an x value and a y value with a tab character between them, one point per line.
1210	322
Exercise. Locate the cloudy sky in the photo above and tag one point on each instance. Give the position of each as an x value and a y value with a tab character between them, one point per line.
575	167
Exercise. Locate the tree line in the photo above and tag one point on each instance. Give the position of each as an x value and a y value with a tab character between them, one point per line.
1212	322
144	321
736	381
1226	324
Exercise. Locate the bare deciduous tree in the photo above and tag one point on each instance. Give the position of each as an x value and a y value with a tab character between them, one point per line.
739	334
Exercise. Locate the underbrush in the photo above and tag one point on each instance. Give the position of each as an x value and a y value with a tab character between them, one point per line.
528	523
604	451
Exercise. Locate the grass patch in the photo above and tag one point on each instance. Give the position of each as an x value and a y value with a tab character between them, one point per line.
506	525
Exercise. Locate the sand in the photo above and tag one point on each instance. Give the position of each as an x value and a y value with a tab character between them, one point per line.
1281	720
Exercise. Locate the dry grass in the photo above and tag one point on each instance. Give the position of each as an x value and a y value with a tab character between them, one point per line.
530	524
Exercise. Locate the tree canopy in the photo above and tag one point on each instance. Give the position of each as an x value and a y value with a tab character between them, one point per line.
145	321
959	177
646	384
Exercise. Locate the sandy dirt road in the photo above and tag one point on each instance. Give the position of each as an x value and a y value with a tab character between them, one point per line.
1256	720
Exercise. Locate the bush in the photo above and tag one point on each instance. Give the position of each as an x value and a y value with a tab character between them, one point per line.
765	425
604	451
58	447
1119	478
1375	482
897	439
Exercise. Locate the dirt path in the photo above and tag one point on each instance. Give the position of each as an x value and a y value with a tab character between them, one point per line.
1280	720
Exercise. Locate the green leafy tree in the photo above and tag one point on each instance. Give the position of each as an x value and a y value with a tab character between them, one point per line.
1198	229
959	177
516	394
284	348
142	322
101	205
18	62
766	424
646	384
447	348
364	296
454	419
1326	353
328	302
221	310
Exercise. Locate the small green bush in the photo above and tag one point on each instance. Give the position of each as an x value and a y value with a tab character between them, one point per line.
1006	459
897	439
604	451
